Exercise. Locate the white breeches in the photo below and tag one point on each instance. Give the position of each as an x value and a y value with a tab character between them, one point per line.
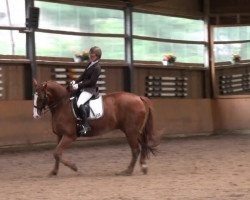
83	98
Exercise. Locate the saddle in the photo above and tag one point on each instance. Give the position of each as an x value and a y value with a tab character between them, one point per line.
93	108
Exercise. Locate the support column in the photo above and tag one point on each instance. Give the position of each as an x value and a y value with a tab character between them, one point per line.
129	82
30	52
208	51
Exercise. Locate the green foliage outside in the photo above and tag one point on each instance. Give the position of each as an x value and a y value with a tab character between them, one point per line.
100	20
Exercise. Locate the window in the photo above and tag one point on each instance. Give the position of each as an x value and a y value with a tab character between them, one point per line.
51	44
12	42
12	14
154	51
16	15
231	40
63	28
189	33
78	19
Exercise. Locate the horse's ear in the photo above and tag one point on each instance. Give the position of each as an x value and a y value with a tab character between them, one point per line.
45	85
34	82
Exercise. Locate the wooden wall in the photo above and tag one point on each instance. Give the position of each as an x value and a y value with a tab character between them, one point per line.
190	114
195	113
18	126
14	79
174	117
182	82
232	79
113	74
231	114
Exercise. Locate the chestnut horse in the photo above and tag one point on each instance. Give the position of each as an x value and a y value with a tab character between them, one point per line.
128	112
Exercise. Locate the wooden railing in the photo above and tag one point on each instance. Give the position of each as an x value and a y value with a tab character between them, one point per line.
151	79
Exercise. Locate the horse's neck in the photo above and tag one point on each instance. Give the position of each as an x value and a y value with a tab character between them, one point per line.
57	93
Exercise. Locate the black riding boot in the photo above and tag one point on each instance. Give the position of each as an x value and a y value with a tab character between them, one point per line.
85	126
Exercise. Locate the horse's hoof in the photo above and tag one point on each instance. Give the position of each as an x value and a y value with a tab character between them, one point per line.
74	167
144	169
124	173
52	174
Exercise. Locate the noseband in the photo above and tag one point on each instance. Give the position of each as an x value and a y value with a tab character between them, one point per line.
45	104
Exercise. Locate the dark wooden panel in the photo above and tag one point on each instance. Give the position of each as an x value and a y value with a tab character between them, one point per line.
193	8
230	19
13	81
193	80
229	6
112	78
233	79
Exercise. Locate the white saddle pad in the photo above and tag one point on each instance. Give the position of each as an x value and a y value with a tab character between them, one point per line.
96	108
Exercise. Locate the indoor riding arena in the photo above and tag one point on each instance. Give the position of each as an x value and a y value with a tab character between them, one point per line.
185	63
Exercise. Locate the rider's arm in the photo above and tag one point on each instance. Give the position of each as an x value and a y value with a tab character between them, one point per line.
91	82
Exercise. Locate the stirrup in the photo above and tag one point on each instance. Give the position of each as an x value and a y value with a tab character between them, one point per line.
84	129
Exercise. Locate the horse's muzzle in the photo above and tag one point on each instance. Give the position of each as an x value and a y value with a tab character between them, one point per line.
36	116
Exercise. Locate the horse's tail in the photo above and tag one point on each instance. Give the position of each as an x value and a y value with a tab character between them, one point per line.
149	139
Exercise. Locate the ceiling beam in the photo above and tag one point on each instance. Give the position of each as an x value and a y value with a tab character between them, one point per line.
143	2
99	3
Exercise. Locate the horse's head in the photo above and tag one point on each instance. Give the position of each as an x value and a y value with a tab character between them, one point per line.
48	96
40	99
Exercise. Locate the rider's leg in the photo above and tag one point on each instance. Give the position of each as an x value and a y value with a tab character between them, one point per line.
83	98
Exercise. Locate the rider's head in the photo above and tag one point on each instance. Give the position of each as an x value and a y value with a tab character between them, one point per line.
95	53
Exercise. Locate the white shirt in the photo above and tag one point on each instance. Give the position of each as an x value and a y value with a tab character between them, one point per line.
92	63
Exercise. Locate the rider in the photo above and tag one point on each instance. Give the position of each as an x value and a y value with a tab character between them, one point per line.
86	83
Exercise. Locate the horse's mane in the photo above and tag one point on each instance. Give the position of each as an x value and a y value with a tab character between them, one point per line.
53	83
56	88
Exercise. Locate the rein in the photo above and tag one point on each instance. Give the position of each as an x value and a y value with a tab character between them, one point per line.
47	107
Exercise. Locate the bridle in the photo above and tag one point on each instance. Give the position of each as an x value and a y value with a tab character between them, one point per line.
44	101
43	98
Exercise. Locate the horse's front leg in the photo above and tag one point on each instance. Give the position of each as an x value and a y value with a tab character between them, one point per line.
56	166
64	142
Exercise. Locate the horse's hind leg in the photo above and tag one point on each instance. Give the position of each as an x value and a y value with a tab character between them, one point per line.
135	149
143	163
130	169
63	144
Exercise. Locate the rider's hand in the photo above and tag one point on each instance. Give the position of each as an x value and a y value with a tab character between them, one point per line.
75	86
72	82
